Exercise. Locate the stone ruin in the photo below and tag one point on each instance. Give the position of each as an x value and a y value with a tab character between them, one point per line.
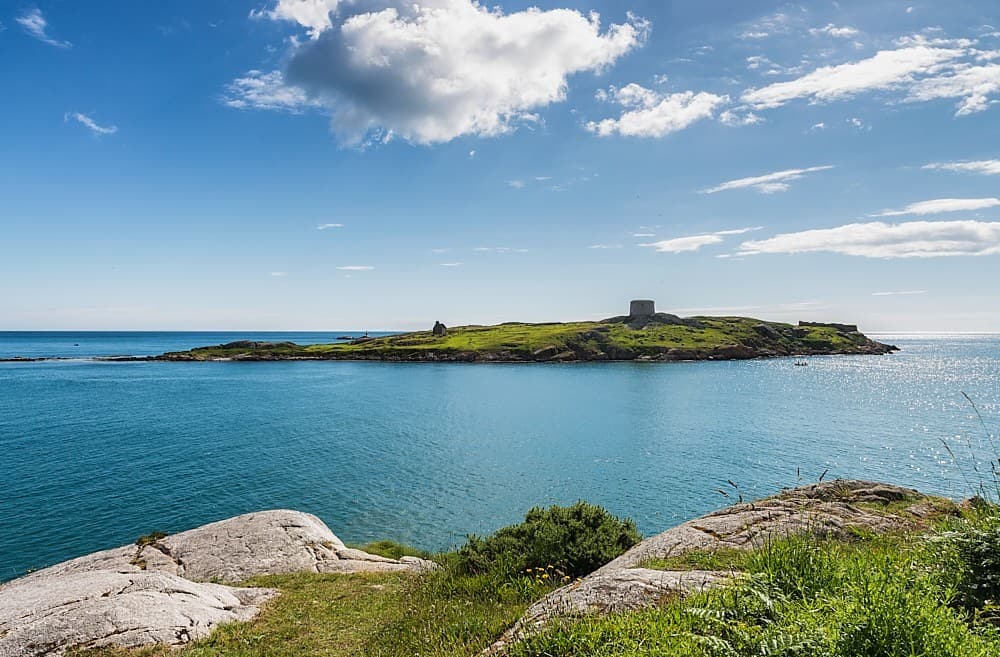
642	313
439	329
641	308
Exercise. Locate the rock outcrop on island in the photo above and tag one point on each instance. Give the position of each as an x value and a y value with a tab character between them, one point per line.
150	592
834	508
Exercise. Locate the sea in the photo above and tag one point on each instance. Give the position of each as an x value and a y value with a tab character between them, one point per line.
95	453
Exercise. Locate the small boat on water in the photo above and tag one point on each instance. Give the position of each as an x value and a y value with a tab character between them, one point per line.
800	363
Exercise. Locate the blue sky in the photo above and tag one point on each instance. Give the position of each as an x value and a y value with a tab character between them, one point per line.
365	164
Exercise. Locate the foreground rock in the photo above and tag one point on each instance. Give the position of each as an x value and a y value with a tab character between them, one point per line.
835	508
102	608
263	543
148	592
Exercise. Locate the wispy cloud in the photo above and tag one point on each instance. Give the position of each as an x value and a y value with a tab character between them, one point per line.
915	239
605	246
516	184
740	116
899	293
329	226
34	23
696	242
839	31
984	167
498	249
769	183
923	69
89	123
649	113
941	205
267	91
452	264
762	28
355	268
279	274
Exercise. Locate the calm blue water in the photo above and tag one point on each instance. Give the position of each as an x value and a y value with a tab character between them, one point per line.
94	454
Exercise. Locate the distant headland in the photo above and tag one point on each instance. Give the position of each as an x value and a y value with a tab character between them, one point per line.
641	335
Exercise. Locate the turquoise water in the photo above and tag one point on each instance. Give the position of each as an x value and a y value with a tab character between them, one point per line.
94	454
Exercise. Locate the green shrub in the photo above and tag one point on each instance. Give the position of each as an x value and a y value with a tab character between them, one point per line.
974	550
392	550
573	540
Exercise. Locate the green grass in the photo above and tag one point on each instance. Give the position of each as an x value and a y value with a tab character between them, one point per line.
730	559
888	596
576	340
392	550
376	615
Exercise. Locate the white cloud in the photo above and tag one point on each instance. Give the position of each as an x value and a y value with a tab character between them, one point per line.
939	205
738	118
498	249
695	242
34	23
922	68
818	126
472	154
985	167
90	124
311	14
649	113
899	293
516	184
839	31
328	226
973	85
886	69
430	72
778	23
605	246
643	234
684	244
452	264
770	183
279	274
355	268
915	239
266	91
738	231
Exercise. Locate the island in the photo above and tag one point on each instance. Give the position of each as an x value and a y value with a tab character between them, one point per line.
642	335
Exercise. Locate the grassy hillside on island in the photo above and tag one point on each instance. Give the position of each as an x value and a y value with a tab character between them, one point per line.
656	337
